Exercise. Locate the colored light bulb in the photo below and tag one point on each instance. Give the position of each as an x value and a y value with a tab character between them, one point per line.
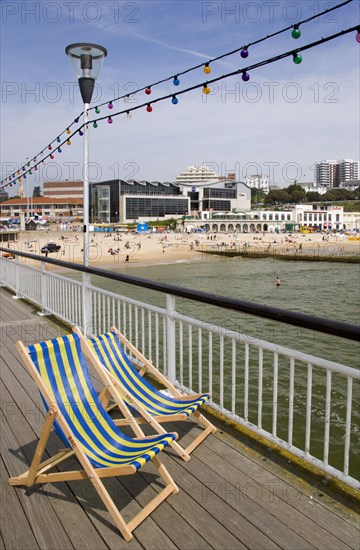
110	120
28	164
24	176
18	172
245	76
68	142
148	90
35	168
128	115
149	109
52	157
357	37
176	81
207	69
174	100
58	139
244	53
68	131
297	59
97	110
296	33
76	120
50	147
59	150
95	125
30	172
110	105
206	89
81	133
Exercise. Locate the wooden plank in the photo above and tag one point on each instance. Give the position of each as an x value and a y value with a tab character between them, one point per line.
47	528
172	523
289	488
200	488
14	526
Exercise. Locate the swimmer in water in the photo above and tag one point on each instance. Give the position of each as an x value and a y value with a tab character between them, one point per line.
277	281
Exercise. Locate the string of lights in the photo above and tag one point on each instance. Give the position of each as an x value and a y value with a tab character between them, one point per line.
297	58
244	52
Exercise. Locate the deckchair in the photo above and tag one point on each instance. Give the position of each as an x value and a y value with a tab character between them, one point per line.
75	412
155	407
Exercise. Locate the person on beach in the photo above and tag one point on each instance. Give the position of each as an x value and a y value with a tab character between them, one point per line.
277	281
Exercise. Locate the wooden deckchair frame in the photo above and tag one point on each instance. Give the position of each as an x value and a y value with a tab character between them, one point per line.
155	421
38	471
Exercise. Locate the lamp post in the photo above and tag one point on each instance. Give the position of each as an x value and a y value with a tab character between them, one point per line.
87	60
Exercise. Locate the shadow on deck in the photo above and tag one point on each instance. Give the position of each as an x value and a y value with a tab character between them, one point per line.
233	494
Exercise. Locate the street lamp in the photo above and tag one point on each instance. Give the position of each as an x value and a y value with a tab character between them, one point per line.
87	60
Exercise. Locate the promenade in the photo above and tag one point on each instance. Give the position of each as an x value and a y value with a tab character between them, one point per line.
233	492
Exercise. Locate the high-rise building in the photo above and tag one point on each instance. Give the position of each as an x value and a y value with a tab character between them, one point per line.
347	169
195	174
325	172
335	173
258	181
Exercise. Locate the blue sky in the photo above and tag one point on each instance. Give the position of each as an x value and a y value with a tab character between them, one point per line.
279	123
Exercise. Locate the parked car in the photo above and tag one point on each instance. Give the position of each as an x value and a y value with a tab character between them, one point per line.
50	247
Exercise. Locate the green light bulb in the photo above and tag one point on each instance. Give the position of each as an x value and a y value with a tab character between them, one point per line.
296	33
297	59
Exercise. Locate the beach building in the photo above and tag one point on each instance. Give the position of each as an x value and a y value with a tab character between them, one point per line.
119	201
321	218
51	209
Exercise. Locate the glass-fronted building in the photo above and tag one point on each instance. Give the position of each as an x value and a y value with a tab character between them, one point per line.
120	201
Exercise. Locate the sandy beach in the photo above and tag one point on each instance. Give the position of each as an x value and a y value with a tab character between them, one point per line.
109	250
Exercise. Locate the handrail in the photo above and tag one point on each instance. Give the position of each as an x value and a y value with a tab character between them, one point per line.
298	319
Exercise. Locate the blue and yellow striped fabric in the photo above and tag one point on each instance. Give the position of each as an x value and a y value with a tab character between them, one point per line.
112	355
63	370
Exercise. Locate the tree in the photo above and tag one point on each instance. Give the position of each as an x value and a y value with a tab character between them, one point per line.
298	196
313	196
294	187
257	195
37	191
277	196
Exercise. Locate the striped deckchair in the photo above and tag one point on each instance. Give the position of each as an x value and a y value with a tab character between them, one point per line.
154	406
75	412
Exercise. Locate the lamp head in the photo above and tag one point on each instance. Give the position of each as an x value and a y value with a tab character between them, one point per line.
87	60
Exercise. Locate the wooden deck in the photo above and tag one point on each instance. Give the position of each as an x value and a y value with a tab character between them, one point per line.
233	494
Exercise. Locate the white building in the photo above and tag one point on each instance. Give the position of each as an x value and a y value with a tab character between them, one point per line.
322	218
258	181
195	174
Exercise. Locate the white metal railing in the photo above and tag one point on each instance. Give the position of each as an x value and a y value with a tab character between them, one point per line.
276	392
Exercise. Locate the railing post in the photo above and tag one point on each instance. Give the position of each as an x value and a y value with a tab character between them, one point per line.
43	291
17	277
86	306
170	337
